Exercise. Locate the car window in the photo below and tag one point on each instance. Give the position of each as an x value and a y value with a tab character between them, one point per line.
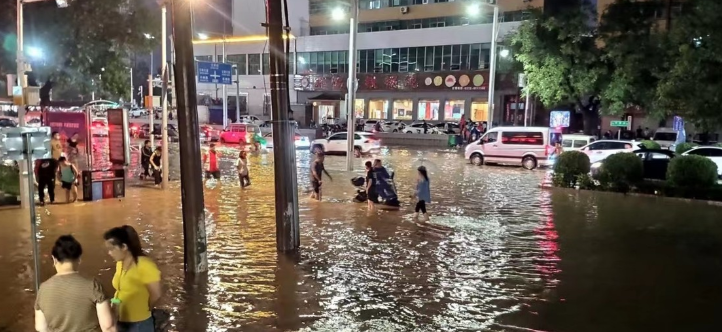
522	138
490	137
657	155
714	152
567	143
579	143
598	146
338	137
357	137
618	146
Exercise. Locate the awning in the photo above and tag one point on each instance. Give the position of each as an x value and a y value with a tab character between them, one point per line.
329	96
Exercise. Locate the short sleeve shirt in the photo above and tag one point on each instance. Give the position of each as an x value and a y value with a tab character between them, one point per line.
68	303
131	288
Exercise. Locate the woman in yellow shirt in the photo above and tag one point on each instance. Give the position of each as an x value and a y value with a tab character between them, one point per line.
136	280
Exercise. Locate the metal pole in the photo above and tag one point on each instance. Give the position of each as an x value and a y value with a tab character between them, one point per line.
224	91
527	108
132	91
194	216
492	67
164	98
151	115
24	186
238	94
31	205
287	226
351	102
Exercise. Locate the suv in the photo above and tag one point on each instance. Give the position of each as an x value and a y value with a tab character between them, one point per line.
600	150
364	143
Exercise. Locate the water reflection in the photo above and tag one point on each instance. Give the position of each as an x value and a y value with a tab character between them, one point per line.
498	255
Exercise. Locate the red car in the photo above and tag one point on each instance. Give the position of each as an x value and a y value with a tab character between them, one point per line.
210	134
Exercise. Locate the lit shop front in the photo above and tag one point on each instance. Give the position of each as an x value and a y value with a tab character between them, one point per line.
440	96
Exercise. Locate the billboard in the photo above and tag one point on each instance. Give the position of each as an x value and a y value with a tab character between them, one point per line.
67	124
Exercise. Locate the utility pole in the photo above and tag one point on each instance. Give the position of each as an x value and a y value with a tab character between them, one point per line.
164	97
132	91
492	67
287	226
352	86
151	116
225	92
20	104
194	216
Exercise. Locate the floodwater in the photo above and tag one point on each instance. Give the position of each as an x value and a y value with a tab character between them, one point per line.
498	254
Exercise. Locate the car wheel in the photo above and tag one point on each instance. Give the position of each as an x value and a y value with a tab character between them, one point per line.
529	162
409	132
477	159
396	131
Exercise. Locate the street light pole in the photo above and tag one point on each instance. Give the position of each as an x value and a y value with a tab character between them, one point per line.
351	100
223	87
164	98
238	94
24	170
492	64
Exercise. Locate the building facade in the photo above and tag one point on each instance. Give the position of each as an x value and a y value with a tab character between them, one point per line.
417	59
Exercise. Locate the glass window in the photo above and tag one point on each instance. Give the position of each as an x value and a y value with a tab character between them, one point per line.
412	59
455	62
302	63
475	57
402	109
579	143
428	110
254	64
464	58
359	108
320	64
327	62
526	138
438	58
429	58
338	137
240	61
453	109
567	143
479	110
378	109
266	64
490	137
313	62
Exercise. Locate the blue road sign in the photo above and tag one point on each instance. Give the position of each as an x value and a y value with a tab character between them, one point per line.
215	73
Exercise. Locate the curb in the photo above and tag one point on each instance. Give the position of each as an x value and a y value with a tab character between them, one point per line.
679	199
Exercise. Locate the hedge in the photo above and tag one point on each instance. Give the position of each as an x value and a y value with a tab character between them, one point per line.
620	172
694	172
9	180
569	166
684	147
652	145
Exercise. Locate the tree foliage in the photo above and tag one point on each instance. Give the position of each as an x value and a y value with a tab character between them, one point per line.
87	46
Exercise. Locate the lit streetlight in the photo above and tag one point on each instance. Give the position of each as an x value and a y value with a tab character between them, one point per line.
35	52
202	36
340	14
475	10
504	53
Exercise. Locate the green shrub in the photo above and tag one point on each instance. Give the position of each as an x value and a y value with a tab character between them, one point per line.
9	180
651	144
620	171
568	167
684	147
692	171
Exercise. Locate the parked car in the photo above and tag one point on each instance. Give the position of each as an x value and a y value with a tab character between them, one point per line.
712	152
526	146
601	149
418	128
654	161
144	131
369	125
364	143
137	113
300	141
668	138
211	134
574	142
239	133
393	126
252	119
448	128
5	122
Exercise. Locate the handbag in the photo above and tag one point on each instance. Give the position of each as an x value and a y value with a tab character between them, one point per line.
161	319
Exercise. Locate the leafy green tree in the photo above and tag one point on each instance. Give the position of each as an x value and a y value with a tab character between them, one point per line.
563	64
87	46
692	86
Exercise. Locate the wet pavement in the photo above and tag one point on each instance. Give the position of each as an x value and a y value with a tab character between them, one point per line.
498	254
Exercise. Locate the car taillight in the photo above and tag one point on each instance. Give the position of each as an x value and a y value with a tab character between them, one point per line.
298	138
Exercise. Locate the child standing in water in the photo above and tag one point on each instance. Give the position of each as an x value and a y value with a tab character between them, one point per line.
423	193
68	178
242	168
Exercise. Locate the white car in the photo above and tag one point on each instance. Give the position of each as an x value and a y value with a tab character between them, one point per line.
300	141
370	124
712	152
392	126
252	119
600	150
418	128
337	144
137	112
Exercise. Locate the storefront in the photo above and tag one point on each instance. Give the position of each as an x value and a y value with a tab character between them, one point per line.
407	97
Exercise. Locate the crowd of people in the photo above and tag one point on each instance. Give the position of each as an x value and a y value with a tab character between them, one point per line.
62	165
69	301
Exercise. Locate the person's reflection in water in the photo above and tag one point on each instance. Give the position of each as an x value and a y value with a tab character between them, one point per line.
286	307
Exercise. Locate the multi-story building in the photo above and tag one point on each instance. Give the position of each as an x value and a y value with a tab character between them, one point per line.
417	59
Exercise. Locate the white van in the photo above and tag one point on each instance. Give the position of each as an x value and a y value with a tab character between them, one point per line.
668	138
526	146
574	142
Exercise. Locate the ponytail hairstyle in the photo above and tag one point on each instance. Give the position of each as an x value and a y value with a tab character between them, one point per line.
125	235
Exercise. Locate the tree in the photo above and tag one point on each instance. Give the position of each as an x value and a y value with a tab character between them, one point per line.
562	62
87	46
692	86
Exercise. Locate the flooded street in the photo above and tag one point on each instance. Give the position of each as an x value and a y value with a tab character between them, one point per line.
499	254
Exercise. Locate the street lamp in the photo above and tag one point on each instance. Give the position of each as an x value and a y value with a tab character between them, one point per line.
148	36
339	14
202	36
35	52
504	53
474	10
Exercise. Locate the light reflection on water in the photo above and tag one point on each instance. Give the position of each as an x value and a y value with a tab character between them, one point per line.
489	260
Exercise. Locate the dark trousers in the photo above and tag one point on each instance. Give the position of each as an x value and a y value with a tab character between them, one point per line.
421	206
146	168
157	175
50	185
245	180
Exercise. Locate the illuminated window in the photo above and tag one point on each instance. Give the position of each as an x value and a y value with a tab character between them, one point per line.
479	111
453	109
428	110
359	108
402	109
378	109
